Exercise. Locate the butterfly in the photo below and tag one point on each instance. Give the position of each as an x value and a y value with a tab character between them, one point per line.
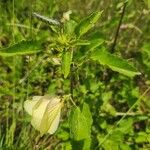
45	113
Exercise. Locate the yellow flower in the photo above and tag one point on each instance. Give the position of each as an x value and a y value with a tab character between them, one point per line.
45	113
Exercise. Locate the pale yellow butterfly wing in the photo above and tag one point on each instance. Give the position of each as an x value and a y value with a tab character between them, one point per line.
38	113
55	123
51	117
30	104
45	112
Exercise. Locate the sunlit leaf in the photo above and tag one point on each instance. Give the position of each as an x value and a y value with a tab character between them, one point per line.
147	2
88	116
21	48
69	27
87	23
114	62
95	43
142	137
66	62
82	42
80	123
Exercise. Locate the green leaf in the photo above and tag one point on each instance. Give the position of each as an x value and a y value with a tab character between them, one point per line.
87	23
126	126
82	42
117	136
147	2
87	144
146	49
21	48
108	108
142	137
69	27
108	144
66	145
78	125
66	62
114	62
88	116
123	146
95	43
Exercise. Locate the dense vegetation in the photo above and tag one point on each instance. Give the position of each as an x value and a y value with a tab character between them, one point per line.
94	55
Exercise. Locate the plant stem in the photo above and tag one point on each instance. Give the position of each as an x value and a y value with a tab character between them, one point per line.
109	72
118	28
128	114
71	80
72	77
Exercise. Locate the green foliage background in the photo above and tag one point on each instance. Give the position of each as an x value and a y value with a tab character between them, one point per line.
103	97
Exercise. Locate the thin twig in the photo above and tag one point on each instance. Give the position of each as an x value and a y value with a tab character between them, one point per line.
119	114
109	72
118	28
